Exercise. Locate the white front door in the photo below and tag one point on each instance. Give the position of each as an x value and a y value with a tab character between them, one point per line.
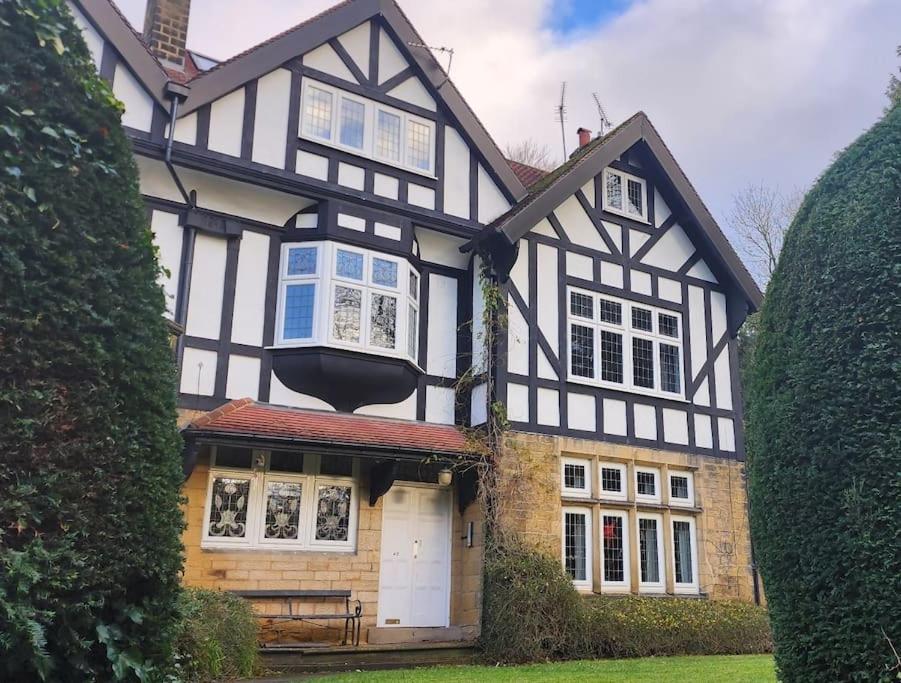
414	579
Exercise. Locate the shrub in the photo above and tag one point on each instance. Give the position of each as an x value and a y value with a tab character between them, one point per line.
532	613
825	422
89	451
217	636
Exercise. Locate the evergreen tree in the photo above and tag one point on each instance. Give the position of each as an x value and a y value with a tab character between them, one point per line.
825	423
90	527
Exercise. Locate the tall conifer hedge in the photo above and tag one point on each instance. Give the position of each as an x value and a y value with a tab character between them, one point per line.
89	451
825	423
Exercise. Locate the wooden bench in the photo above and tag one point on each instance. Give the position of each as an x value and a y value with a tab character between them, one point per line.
352	613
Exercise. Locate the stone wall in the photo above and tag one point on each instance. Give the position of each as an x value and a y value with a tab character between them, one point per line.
531	504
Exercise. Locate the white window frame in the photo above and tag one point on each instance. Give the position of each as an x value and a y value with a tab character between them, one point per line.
628	333
370	122
623	494
624	180
681	502
693	586
575	492
585	584
625	585
644	498
651	586
325	281
259	474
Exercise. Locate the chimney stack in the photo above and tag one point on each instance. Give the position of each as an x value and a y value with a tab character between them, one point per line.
584	136
166	30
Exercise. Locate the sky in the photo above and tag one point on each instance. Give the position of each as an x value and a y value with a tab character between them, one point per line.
743	91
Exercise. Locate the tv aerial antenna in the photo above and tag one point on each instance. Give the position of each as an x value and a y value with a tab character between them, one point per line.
449	51
605	122
561	116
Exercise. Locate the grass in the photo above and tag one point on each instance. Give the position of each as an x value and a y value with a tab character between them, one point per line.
713	669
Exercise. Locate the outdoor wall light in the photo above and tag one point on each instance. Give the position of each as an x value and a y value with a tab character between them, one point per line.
445	477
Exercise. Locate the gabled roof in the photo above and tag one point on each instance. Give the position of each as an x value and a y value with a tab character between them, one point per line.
273	53
549	192
115	29
246	419
528	175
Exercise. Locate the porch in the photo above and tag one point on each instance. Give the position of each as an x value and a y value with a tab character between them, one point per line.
299	501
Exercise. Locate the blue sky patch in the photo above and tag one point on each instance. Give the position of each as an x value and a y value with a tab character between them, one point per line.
573	16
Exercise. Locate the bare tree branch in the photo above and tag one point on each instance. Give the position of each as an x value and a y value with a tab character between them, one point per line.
531	153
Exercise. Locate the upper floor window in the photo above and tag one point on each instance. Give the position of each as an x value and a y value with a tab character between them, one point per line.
348	297
614	342
625	194
368	128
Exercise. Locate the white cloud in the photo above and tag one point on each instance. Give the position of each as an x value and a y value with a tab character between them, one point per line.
741	90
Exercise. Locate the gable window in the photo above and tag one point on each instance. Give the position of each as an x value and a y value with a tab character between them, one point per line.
348	297
576	477
625	194
614	342
278	499
365	127
577	545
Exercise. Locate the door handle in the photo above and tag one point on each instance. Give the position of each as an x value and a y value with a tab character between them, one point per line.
416	549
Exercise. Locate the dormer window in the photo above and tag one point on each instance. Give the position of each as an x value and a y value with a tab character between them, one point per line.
337	118
625	194
342	296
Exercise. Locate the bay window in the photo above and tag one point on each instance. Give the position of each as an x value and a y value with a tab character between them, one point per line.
338	295
362	126
258	499
618	343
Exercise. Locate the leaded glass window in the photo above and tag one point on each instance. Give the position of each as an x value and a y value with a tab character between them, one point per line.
353	115
611	480
419	145
669	325
387	145
682	551
412	331
614	549
575	545
646	483
625	194
349	264
582	350
648	550
302	261
581	305
641	319
347	314
670	371
678	486
317	113
300	301
283	509
414	286
614	191
333	513
611	312
384	272
228	508
635	192
383	321
611	357
573	476
643	362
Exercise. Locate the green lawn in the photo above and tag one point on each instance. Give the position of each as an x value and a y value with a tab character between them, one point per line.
719	669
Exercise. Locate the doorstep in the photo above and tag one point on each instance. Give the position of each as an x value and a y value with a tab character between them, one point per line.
413	634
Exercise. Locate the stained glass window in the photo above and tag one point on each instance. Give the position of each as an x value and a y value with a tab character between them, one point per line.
384	272
317	113
582	350
419	145
347	314
670	374
383	321
228	508
614	550
353	114
575	545
283	509
333	513
643	362
611	357
648	549
299	304
349	264
682	552
302	261
387	144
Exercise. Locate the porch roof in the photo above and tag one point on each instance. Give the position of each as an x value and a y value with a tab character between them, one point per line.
247	420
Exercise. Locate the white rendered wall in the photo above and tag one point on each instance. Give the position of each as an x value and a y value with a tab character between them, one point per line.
226	123
456	174
442	327
207	286
138	103
167	236
270	128
250	289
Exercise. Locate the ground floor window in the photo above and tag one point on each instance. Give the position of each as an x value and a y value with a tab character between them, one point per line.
577	545
685	555
262	499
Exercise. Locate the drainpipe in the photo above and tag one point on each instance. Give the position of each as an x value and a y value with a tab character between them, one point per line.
178	93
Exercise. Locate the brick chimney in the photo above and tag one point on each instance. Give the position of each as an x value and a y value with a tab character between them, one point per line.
584	136
166	30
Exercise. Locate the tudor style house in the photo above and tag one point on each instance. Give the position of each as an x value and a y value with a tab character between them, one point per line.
323	204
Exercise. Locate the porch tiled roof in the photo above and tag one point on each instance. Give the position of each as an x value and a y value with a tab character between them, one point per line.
249	419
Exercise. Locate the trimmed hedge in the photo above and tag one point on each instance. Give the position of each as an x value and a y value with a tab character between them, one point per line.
531	612
218	637
824	433
89	451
